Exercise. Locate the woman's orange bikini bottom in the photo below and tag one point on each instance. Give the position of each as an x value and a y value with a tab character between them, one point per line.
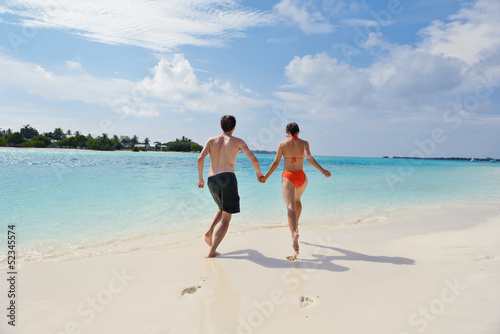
297	177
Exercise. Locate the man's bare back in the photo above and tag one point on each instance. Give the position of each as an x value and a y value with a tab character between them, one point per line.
223	150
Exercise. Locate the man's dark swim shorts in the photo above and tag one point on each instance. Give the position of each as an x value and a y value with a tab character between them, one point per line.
224	190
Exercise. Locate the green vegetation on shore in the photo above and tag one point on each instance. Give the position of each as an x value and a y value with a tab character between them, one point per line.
28	136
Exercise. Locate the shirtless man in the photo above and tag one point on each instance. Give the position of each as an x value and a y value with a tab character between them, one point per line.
222	182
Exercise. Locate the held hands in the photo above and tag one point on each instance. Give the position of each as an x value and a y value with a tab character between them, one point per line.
201	184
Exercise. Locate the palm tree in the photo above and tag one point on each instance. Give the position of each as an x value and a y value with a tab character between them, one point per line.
125	139
135	140
59	134
29	132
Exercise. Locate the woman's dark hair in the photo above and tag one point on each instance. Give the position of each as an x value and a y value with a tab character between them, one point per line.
227	123
293	128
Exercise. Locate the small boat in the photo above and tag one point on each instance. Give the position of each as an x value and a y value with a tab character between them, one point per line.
472	159
493	160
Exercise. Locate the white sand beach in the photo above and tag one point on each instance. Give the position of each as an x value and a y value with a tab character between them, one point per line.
428	271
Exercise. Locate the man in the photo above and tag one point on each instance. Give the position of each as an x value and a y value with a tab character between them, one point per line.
223	150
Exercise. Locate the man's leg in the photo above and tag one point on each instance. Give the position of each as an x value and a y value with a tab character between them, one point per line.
215	220
220	233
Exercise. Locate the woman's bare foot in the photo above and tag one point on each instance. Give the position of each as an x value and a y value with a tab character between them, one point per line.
208	238
212	254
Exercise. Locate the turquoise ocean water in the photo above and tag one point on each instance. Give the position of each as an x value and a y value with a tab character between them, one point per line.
84	203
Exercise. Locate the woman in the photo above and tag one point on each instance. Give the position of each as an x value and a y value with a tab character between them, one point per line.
294	180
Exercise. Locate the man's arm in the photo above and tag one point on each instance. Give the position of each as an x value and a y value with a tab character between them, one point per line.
313	161
255	163
201	161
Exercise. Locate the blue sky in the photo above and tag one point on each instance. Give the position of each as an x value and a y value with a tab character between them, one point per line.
361	78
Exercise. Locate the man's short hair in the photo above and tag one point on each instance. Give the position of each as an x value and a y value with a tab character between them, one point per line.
227	123
293	128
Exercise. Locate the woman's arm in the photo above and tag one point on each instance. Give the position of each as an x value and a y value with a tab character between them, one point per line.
255	162
275	163
313	161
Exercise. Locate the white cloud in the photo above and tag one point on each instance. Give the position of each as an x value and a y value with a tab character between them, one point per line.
35	80
381	73
40	70
73	66
470	35
3	10
156	25
175	86
374	40
404	79
331	86
302	14
418	78
172	87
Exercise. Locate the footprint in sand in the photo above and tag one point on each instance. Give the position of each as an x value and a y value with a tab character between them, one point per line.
190	290
306	301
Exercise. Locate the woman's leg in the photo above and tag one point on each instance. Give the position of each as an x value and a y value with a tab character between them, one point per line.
298	205
288	190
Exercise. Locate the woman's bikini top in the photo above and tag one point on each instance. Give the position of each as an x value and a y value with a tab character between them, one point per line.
294	159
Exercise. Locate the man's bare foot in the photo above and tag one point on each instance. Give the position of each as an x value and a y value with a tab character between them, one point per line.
208	238
212	254
296	242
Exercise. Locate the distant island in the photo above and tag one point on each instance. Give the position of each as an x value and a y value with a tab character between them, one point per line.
263	152
450	158
28	136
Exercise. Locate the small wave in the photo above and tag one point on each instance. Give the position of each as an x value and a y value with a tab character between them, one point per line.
52	251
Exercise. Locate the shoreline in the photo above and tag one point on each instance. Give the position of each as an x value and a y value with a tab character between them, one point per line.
60	251
436	270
